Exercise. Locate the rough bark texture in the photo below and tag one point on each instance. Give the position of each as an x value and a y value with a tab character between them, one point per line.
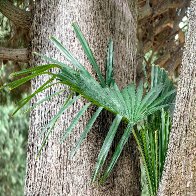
18	55
179	177
20	18
53	173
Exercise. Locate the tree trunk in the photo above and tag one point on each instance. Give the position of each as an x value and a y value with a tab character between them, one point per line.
179	177
53	173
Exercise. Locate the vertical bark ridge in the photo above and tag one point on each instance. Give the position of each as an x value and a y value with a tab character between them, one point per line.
53	173
179	177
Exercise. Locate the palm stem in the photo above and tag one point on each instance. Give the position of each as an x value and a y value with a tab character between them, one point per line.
150	189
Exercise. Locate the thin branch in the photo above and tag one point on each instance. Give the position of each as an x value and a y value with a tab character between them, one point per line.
18	55
19	17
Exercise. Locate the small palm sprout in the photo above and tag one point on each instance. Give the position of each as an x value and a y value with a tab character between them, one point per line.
130	105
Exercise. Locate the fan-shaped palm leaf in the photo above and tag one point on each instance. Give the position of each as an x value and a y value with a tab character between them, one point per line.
130	105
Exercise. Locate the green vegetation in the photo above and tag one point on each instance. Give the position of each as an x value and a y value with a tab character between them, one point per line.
13	134
139	108
152	140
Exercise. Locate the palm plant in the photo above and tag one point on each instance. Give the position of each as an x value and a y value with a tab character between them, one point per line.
130	105
152	136
152	139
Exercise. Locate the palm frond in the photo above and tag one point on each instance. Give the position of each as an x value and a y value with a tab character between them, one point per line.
109	64
47	130
86	130
74	122
118	151
25	100
89	53
106	146
130	105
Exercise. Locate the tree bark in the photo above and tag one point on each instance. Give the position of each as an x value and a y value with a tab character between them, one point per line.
20	18
54	173
179	177
17	55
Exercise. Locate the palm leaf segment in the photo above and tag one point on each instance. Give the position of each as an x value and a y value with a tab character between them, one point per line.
129	104
152	141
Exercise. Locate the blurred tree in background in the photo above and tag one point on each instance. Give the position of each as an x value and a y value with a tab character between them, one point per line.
161	33
13	130
13	35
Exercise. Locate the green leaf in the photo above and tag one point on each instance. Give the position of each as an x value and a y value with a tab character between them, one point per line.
86	130
132	95
118	151
43	100
161	99
126	95
106	146
149	98
152	110
57	63
160	76
34	69
139	95
69	56
52	122
109	64
143	137
142	153
156	161
89	53
74	122
28	98
118	96
19	82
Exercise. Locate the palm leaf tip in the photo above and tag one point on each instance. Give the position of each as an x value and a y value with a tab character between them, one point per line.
88	53
75	121
106	146
24	101
86	131
67	54
47	130
117	152
109	64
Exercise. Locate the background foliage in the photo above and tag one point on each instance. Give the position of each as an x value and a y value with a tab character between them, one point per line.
13	134
13	130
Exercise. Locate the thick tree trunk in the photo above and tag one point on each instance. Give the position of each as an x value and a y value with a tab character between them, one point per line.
53	173
179	177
